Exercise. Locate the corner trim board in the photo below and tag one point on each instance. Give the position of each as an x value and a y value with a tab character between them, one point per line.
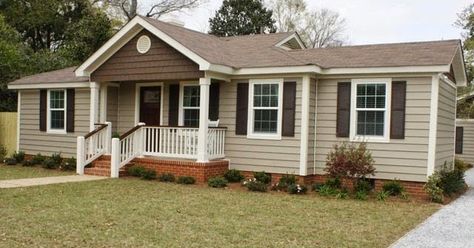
433	125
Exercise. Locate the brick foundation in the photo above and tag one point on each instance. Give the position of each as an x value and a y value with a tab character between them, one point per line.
200	171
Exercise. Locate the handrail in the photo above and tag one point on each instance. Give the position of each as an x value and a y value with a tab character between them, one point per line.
102	126
132	130
182	127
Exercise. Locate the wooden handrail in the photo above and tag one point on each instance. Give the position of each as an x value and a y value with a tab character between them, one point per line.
184	127
101	126
135	128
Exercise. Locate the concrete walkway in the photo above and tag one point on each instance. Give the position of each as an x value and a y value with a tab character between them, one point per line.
452	226
15	183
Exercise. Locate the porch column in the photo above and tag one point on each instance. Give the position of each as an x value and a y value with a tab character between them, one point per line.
94	105
103	103
202	154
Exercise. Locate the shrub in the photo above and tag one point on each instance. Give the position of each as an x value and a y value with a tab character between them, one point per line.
3	152
27	163
69	164
326	190
460	165
255	185
451	181
186	180
383	195
233	176
284	182
361	195
297	189
38	159
317	186
148	174
10	161
19	156
350	161
166	177
342	195
217	182
363	185
263	177
50	163
393	187
433	189
333	182
135	170
56	157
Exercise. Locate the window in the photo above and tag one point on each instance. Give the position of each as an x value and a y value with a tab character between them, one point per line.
56	111
370	114
265	101
191	106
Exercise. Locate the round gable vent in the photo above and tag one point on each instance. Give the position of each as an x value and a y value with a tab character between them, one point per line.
143	44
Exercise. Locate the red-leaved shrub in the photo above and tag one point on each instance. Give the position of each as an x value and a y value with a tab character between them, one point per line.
350	161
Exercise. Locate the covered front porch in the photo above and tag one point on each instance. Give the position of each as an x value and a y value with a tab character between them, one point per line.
169	120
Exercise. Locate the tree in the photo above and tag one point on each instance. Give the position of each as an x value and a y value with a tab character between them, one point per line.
242	17
318	28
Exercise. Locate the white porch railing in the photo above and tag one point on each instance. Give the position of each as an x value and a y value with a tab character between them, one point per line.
93	145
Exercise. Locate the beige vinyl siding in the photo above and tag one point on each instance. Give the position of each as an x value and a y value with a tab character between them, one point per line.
33	141
404	159
311	128
112	106
445	129
468	140
275	156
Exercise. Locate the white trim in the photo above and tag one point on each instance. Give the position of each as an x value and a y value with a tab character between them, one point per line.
306	91
18	119
353	115
137	100
293	36
277	70
143	38
315	123
445	79
93	107
103	102
49	86
250	131
399	69
431	163
183	84
203	136
48	113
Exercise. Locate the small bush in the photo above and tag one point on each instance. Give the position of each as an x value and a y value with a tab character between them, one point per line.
433	189
38	159
186	180
3	152
27	163
451	181
50	163
342	195
10	161
135	170
317	186
263	177
326	190
333	183
19	156
383	195
56	157
233	176
361	195
350	161
217	182
167	178
255	185
69	164
297	189
393	187
286	181
363	185
148	174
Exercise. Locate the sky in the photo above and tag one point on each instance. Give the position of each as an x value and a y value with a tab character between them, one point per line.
368	21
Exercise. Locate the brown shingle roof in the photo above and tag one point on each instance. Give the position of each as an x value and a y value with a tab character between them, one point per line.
65	75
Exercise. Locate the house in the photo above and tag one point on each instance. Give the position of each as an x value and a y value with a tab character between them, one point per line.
465	132
192	103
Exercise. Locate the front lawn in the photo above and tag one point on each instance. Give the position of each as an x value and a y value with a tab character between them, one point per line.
18	171
136	213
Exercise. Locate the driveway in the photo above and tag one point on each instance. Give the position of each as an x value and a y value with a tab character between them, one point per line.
452	226
16	183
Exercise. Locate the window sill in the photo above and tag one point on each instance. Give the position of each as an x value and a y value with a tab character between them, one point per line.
52	131
370	139
264	136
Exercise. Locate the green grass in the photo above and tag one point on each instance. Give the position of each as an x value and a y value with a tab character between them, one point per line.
18	171
136	213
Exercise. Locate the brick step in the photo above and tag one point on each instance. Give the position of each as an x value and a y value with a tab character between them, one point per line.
101	164
103	158
98	171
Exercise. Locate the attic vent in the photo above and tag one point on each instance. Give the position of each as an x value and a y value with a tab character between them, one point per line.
143	44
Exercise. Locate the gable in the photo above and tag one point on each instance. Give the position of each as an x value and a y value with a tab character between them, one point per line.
161	62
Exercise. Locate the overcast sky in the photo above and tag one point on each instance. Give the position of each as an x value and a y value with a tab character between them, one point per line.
370	21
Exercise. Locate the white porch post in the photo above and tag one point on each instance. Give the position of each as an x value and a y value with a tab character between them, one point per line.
94	101
103	103
80	155
115	158
202	154
108	138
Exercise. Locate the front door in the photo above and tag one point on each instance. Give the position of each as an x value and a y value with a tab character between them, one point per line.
150	105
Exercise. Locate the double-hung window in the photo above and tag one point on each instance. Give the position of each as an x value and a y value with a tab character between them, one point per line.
56	111
265	108
191	105
371	111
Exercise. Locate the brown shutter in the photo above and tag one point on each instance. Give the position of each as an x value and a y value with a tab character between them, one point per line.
42	109
343	109
173	108
214	101
242	108
459	139
289	98
397	125
70	110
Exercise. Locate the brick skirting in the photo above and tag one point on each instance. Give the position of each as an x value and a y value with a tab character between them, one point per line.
200	171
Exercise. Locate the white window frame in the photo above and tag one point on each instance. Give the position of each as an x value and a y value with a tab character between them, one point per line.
250	118
181	100
48	113
388	99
